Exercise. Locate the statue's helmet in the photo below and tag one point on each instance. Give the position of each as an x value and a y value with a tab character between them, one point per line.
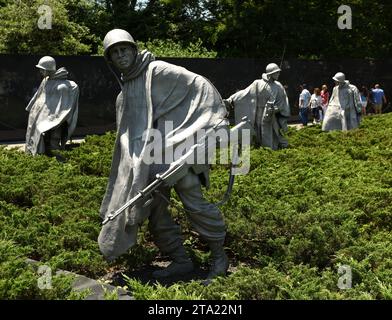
47	63
272	68
339	77
116	36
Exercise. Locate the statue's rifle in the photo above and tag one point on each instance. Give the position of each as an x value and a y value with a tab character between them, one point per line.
177	170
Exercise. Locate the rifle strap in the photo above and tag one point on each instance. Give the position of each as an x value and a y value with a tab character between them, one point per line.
226	196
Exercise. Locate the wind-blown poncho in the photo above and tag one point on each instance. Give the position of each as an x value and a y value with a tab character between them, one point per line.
251	102
54	103
153	92
343	108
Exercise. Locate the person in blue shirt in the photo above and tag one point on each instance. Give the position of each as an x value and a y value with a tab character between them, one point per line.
378	98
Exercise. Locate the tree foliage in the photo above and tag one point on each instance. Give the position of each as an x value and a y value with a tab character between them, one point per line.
253	28
240	28
19	31
170	48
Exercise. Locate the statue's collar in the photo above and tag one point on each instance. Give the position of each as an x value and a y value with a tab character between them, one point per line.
142	61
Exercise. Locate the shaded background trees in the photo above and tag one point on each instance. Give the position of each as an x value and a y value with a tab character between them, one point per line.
232	28
19	32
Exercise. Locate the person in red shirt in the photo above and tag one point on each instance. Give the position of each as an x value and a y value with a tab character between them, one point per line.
324	100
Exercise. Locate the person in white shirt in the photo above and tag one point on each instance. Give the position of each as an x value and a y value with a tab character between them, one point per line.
315	105
304	99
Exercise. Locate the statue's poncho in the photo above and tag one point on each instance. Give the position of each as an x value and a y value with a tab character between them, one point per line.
251	102
152	93
343	108
54	103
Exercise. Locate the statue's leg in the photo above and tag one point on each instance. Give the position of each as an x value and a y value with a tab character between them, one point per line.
167	237
64	135
206	219
47	137
53	143
55	138
283	142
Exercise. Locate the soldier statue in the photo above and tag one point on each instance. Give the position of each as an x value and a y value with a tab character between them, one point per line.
344	107
266	105
53	110
153	94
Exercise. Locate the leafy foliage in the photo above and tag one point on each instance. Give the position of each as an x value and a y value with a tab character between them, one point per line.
251	28
169	48
20	281
231	28
298	215
20	34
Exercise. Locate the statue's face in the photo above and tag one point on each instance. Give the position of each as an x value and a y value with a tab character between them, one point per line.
123	56
275	75
44	72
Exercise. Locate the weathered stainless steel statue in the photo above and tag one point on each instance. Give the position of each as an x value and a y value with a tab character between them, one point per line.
53	110
344	106
154	95
266	105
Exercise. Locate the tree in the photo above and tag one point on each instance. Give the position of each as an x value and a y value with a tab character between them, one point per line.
232	28
308	29
20	32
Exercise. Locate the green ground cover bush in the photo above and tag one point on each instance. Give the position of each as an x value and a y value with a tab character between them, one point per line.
296	217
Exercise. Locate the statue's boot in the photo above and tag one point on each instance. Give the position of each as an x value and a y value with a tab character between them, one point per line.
220	261
180	265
